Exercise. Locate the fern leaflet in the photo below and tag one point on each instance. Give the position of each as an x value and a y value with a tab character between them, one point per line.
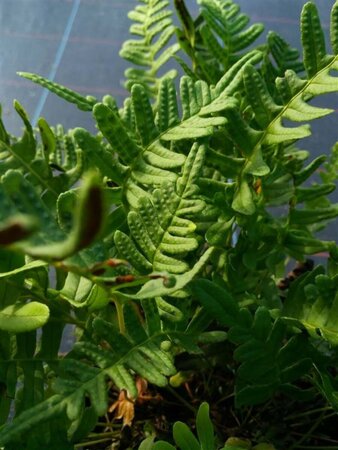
154	28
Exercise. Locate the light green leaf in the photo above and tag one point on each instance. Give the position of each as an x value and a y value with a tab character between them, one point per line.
162	445
184	437
205	429
24	269
25	317
243	199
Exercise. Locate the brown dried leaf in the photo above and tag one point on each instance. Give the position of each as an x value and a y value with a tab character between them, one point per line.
124	408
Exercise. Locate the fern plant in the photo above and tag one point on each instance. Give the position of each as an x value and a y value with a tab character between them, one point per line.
192	202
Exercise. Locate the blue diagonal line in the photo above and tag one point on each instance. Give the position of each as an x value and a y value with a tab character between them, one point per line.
57	59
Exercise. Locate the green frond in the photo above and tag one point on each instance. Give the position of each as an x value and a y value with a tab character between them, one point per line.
334	28
167	111
96	155
285	57
115	132
313	41
295	109
31	266
52	165
143	115
254	137
310	216
160	227
267	361
302	242
82	292
154	28
66	158
264	107
229	24
306	172
312	302
279	57
233	78
17	315
314	192
83	103
215	41
142	141
330	172
156	288
110	355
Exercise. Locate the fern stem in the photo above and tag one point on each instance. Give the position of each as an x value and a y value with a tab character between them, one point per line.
320	438
181	399
120	317
107	434
108	424
318	447
309	432
89	443
308	413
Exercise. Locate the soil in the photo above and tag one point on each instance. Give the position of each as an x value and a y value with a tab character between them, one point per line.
285	422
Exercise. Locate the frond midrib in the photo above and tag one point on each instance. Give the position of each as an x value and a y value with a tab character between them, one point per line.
299	94
86	386
158	249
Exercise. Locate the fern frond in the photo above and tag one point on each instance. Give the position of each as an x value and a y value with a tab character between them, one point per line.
330	172
279	57
22	372
36	160
267	362
215	40
154	27
313	302
285	57
141	141
267	128
66	158
83	103
96	155
313	40
16	314
160	228
259	124
110	355
225	20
